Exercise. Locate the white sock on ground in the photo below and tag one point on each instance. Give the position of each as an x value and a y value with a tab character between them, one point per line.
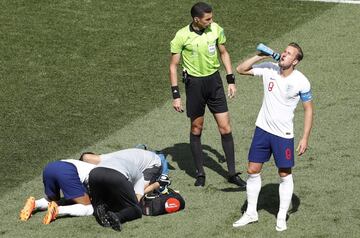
41	204
76	210
253	187
286	189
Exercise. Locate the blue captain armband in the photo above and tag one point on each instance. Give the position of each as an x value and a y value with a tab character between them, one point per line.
306	96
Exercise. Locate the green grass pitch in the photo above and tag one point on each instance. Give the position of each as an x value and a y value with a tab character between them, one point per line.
93	75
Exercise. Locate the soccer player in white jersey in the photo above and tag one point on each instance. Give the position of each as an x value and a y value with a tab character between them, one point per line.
284	86
70	177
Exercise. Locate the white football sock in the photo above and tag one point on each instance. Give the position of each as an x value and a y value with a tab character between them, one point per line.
253	187
286	189
76	210
41	204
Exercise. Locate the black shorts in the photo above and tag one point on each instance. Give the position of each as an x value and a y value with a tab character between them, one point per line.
112	188
202	91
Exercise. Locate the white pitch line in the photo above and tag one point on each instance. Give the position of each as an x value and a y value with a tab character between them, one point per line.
335	1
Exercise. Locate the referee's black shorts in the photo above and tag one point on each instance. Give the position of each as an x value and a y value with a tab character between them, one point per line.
202	91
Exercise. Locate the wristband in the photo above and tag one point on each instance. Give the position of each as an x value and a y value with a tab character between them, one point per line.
175	92
230	78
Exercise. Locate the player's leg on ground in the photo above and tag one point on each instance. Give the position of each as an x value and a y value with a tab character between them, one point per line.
52	175
82	207
76	210
253	188
283	151
286	189
50	180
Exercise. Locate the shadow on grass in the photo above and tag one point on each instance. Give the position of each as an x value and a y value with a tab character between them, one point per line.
269	200
181	154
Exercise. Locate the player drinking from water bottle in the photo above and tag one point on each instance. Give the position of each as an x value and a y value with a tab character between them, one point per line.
284	86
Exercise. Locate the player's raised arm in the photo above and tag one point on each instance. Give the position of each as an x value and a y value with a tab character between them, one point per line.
245	68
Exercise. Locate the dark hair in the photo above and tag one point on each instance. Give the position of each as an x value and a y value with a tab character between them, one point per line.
300	54
199	9
82	155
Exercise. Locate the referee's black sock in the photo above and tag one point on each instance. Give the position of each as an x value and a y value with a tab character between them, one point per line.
227	142
196	150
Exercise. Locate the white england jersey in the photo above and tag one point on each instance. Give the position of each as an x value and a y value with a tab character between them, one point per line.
82	168
281	95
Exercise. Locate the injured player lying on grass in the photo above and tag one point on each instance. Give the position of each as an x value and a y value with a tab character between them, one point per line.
71	178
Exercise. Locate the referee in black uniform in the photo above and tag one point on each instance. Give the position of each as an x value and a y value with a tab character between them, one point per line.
197	45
